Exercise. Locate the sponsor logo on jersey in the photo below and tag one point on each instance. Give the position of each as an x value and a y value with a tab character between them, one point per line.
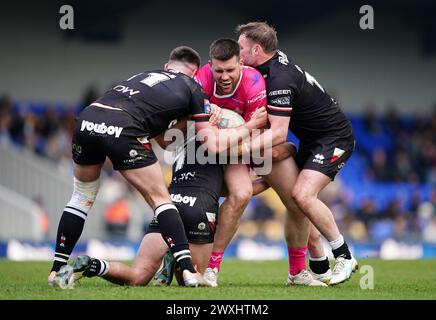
124	89
178	198
77	149
172	123
201	226
281	101
337	153
280	92
260	96
283	58
133	153
211	217
101	128
340	166
184	176
130	161
319	158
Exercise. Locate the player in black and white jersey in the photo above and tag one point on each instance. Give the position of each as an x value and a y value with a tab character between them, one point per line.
195	189
298	102
118	126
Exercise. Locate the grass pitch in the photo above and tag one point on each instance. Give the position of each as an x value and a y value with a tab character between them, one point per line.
240	280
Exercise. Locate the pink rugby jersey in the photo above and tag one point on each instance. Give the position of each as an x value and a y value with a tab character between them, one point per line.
249	94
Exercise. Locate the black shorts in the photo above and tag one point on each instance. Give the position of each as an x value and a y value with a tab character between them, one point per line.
199	212
326	155
102	132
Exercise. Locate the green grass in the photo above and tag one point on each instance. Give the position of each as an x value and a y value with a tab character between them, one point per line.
238	280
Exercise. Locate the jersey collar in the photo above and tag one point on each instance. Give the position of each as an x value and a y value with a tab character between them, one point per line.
264	67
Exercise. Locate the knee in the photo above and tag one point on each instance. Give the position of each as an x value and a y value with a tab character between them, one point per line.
141	276
301	198
291	207
240	198
83	197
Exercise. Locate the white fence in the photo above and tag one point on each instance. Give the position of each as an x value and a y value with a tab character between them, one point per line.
19	217
31	176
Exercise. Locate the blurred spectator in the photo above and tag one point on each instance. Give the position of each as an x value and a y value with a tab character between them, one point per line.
91	94
392	120
44	222
429	232
370	120
379	170
367	212
393	150
5	120
262	213
400	229
117	217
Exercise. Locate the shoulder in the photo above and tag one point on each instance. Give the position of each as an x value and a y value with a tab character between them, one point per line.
252	78
284	73
204	73
193	85
204	77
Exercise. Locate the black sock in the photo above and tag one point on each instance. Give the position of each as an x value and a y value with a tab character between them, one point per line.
173	232
319	267
96	268
69	230
342	251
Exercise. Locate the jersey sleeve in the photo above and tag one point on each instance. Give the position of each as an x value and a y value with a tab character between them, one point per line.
281	92
200	105
256	93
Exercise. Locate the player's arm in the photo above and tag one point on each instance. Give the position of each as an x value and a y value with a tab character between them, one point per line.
165	142
218	140
259	186
279	115
279	126
268	138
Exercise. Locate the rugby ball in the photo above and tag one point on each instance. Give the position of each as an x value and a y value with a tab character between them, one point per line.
230	119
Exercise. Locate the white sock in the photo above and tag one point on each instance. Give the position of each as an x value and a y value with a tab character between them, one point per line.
322	258
337	243
104	267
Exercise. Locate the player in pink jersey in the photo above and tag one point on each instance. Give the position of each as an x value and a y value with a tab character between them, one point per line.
231	85
242	89
239	88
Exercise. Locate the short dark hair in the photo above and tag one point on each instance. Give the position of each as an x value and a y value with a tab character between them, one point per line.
223	49
185	54
261	33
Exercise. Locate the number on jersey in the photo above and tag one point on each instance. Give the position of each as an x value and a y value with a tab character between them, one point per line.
154	78
310	79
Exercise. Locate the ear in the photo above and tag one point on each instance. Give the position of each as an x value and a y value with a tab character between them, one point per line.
210	62
194	72
166	66
241	62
